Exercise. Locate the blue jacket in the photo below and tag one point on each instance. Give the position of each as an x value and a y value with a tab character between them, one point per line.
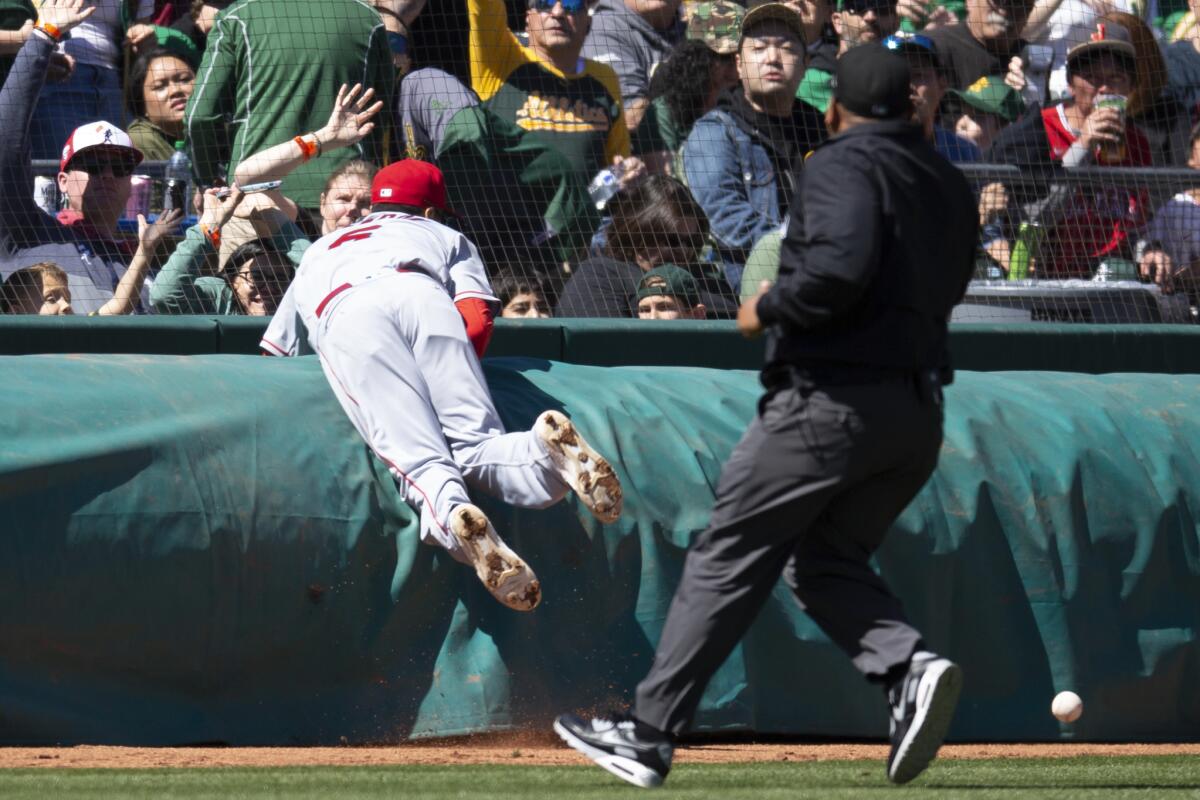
733	180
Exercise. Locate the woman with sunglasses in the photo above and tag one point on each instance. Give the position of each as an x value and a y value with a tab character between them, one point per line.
97	161
253	272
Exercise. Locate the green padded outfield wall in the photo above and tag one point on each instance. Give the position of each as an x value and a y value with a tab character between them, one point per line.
200	549
1167	349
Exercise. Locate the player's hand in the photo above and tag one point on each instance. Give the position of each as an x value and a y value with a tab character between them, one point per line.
1103	125
64	14
747	319
61	67
1158	267
1015	76
149	235
350	119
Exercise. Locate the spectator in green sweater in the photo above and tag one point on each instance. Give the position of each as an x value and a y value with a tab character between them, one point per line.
273	68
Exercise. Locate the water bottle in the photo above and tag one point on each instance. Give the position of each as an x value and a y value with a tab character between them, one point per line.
179	178
605	185
1025	250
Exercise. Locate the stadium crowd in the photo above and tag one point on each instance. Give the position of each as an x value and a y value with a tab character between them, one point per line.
612	158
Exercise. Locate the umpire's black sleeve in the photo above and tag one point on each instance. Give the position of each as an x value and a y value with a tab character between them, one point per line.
832	249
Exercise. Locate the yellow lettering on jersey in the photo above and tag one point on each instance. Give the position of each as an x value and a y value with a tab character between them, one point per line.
561	114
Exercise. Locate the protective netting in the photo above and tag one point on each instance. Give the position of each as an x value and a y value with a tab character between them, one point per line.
586	145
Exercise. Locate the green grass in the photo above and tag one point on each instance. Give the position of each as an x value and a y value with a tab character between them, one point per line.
1061	779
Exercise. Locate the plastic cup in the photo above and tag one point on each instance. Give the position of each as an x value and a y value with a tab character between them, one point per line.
1113	151
140	189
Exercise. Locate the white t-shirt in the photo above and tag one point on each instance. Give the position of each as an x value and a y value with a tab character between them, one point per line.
377	244
99	39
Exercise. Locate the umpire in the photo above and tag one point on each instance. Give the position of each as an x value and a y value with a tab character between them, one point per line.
880	246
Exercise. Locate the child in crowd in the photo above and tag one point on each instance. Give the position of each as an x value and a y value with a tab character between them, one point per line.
669	292
37	289
521	296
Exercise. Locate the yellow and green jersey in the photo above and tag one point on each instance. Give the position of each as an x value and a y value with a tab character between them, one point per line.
579	116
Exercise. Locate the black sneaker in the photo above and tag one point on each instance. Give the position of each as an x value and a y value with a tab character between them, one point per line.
922	707
625	747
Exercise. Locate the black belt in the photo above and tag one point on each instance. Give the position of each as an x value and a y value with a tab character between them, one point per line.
811	375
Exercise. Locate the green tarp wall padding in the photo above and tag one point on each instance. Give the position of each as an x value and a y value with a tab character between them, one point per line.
1095	349
200	549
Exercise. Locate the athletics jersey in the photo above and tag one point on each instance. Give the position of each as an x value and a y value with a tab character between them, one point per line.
1097	220
578	115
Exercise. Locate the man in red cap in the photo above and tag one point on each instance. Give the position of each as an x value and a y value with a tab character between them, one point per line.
383	304
94	177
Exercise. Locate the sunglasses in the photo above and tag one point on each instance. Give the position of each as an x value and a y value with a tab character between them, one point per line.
94	165
569	6
860	7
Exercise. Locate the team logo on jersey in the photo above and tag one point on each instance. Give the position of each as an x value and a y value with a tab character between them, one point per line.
561	114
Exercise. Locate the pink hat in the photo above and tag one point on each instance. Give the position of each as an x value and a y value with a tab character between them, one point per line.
99	134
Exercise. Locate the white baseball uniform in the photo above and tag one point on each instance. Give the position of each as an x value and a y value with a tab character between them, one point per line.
375	299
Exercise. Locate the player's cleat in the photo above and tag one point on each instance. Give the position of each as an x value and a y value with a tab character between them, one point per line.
627	748
922	706
581	467
506	576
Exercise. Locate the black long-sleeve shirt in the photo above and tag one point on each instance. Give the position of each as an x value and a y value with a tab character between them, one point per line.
880	246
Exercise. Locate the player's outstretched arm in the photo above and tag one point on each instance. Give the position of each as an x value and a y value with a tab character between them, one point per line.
348	123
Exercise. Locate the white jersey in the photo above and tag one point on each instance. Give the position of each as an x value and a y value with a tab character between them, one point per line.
384	242
374	247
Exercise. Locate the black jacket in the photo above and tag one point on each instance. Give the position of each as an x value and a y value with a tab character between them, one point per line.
605	287
880	246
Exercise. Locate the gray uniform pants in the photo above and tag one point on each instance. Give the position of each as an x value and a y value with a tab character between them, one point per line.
809	492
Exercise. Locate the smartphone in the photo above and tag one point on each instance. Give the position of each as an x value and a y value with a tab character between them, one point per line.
250	188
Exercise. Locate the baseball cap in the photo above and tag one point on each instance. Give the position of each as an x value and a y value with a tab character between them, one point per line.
410	183
718	24
914	44
671	281
992	95
872	81
1108	36
764	10
99	135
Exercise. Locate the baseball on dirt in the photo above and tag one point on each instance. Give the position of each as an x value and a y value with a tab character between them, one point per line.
1067	707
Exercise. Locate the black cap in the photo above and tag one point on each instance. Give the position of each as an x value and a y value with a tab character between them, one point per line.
874	82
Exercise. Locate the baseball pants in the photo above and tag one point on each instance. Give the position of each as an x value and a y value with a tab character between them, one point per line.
396	354
809	492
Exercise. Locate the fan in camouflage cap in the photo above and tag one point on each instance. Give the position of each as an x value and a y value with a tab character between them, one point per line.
718	24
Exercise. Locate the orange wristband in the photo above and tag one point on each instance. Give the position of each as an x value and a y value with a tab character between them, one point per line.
50	30
308	149
212	234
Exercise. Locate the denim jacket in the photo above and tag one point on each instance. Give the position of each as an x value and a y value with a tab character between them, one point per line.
732	179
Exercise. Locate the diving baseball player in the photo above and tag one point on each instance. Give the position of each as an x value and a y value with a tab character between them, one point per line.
383	303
